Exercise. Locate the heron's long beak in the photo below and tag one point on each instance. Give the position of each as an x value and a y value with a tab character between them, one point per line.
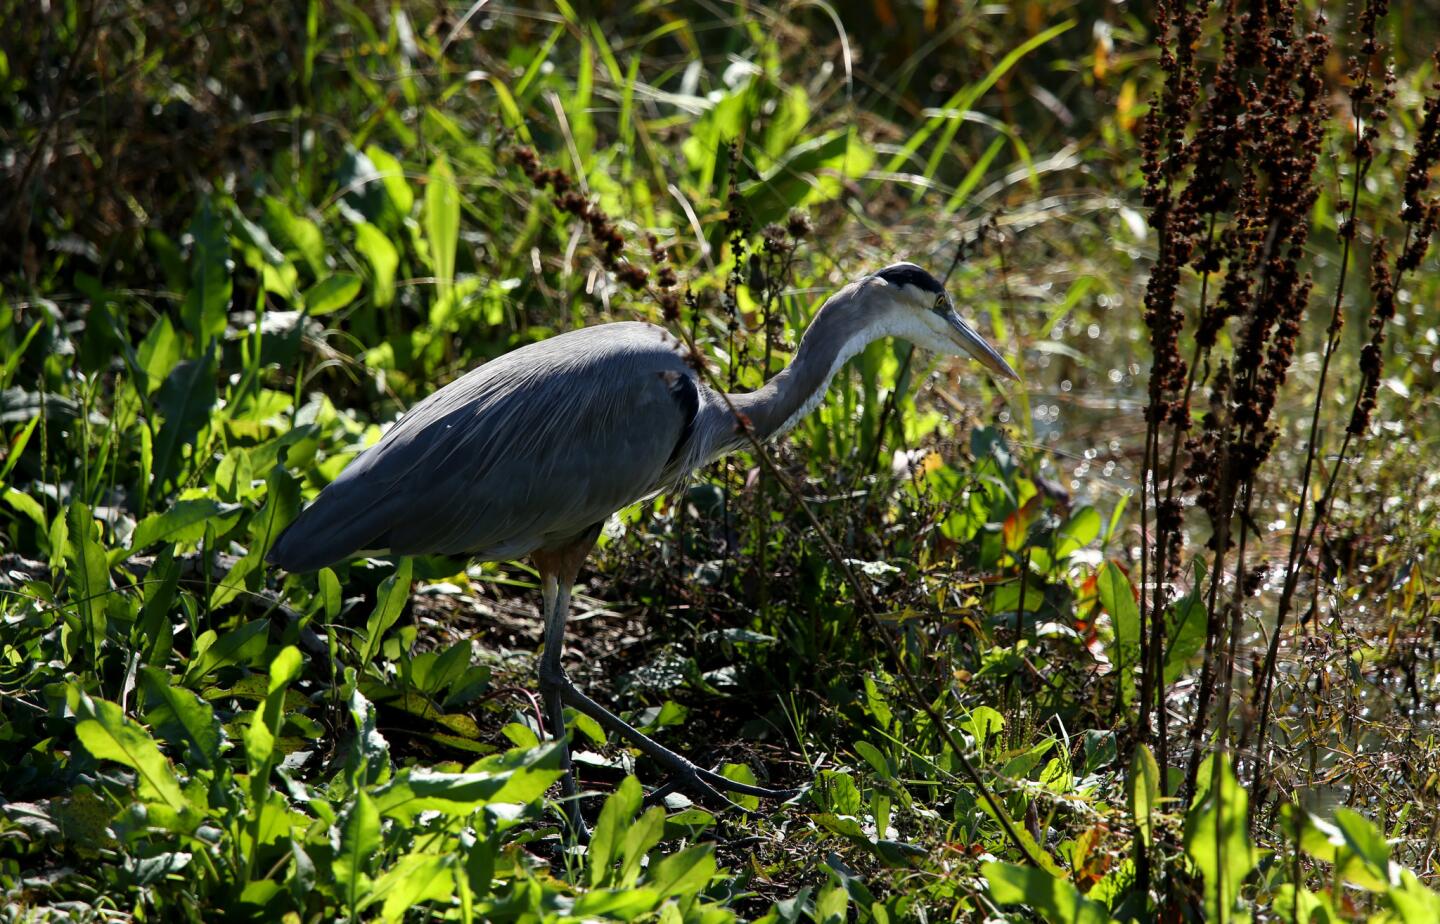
977	346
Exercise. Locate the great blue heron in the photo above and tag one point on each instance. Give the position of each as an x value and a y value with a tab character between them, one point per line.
530	453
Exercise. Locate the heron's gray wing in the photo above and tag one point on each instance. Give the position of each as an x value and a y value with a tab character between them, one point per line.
528	450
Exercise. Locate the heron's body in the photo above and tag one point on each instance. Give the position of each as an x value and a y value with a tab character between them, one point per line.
479	457
529	453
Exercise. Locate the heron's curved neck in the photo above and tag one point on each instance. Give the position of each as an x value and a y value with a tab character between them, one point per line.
839	331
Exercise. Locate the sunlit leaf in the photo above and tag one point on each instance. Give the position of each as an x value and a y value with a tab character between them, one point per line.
390	602
332	293
109	735
442	222
1057	901
1217	838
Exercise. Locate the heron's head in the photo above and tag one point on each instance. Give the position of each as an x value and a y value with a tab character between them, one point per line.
927	317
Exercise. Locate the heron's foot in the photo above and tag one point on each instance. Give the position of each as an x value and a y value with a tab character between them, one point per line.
711	786
685	774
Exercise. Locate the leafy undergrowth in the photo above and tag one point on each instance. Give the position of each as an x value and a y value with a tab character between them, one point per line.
918	608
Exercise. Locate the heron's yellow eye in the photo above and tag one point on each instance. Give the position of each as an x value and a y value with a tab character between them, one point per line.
940	304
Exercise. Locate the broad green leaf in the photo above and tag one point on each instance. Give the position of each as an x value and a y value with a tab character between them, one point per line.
109	735
740	773
1362	837
151	634
587	726
26	504
377	250
282	504
242	647
415	879
1185	626
832	905
616	904
178	714
391	174
331	293
185	400
877	760
442	222
359	843
835	791
302	233
983	725
89	575
158	353
1118	599
516	777
183	522
1217	839
1143	790
207	303
639	838
329	593
684	873
390	602
369	757
1074	534
1054	899
609	833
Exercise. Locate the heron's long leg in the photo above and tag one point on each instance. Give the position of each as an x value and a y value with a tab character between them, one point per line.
693	777
552	681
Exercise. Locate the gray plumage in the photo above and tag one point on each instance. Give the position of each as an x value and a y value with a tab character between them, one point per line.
474	468
529	453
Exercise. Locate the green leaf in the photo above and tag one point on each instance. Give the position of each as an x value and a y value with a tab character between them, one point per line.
282	504
442	222
390	602
151	634
391	174
377	250
684	873
329	586
369	759
1217	839
89	575
832	905
1054	899
836	792
183	522
1074	534
359	843
586	725
609	833
1143	790
1118	599
177	713
516	777
242	647
740	773
185	401
639	839
26	504
1185	625
415	878
109	735
331	293
302	233
983	725
158	353
207	303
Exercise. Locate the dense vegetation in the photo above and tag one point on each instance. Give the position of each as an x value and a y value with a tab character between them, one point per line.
1150	637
